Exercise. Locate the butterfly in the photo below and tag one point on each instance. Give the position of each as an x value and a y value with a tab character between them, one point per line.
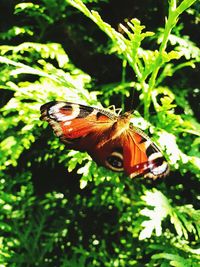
110	139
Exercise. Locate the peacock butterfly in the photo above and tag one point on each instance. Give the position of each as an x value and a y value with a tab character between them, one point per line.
111	140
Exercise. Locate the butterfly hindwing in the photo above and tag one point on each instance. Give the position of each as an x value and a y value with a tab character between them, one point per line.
109	139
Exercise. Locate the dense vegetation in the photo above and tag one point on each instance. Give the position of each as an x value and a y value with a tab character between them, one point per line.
58	208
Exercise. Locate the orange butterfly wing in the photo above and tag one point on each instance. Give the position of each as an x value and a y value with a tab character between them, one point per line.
142	156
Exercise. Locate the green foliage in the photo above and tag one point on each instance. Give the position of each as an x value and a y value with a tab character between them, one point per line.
99	218
146	64
184	218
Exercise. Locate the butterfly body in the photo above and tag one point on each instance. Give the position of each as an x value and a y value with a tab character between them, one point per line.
111	140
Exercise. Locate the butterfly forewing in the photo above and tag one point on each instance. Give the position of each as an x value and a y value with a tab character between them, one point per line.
142	157
77	125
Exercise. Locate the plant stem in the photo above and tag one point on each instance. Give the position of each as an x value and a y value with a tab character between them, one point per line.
124	64
174	12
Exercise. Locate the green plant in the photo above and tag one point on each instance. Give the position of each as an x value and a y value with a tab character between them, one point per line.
99	218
